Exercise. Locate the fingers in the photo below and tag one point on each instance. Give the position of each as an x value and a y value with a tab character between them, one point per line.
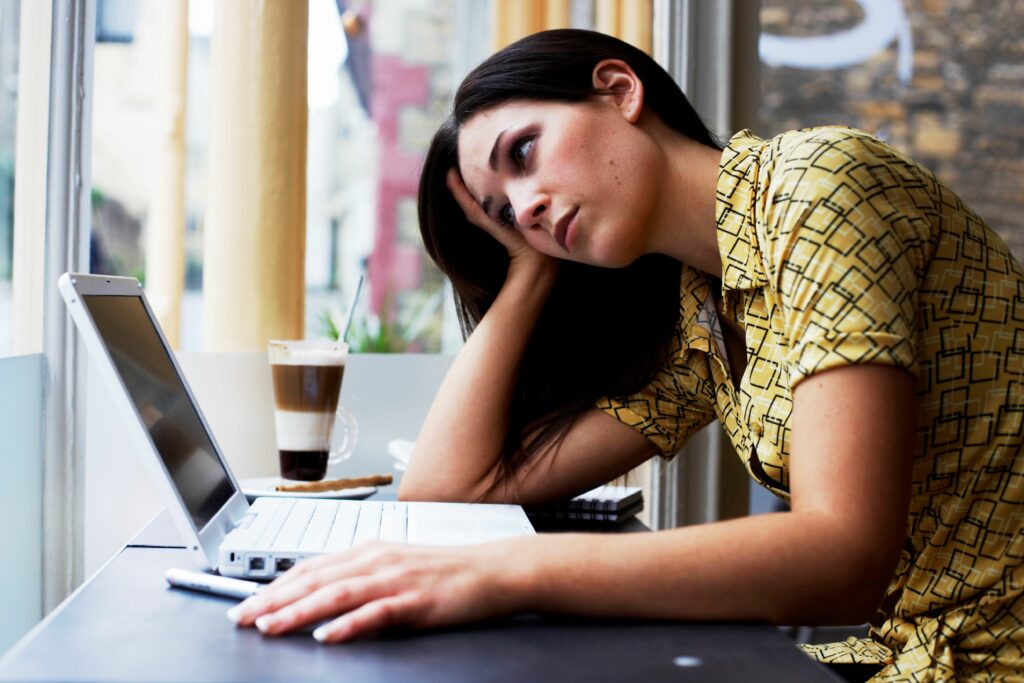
374	587
305	578
474	212
312	565
269	601
371	618
509	238
327	601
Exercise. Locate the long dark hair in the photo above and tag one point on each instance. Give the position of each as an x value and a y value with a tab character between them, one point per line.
603	332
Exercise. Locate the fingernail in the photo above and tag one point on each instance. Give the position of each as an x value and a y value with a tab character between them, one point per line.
320	635
235	613
264	622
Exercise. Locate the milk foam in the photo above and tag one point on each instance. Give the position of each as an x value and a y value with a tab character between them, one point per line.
303	431
308	355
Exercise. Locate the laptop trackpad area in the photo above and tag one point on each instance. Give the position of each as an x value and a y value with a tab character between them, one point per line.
457	524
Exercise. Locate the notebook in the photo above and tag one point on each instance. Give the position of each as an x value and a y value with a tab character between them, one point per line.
604	504
222	530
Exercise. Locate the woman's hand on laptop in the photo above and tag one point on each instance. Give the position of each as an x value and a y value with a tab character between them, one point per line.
380	585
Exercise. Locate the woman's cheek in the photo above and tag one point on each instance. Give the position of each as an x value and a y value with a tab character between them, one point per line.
540	241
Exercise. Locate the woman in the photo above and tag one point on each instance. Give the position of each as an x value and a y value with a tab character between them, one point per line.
856	329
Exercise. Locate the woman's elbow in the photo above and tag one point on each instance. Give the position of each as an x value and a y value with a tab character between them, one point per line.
408	492
855	603
413	490
849	593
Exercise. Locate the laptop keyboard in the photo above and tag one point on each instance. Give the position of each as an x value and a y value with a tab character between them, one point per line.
315	526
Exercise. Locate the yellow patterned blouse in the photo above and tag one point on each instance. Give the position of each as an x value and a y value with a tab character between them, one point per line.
837	250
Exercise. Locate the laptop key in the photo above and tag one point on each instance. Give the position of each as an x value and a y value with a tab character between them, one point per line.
393	524
368	526
295	525
343	529
267	527
319	527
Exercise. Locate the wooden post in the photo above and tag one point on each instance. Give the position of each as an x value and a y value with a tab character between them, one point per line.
255	232
514	19
165	229
635	23
606	17
630	20
556	14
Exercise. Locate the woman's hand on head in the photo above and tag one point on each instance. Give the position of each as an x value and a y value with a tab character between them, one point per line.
377	586
519	250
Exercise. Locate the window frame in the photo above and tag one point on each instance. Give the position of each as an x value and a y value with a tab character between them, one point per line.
710	49
66	249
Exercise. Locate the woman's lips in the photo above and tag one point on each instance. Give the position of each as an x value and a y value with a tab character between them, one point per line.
564	224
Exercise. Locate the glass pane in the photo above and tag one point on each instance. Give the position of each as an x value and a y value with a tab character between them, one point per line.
123	108
380	80
940	80
9	45
24	82
126	115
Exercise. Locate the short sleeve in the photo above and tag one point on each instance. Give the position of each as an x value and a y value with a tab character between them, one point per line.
844	233
675	405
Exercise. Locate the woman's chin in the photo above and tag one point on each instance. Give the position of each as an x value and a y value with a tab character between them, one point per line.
612	256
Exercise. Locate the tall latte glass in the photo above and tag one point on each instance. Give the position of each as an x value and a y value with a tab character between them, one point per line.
307	384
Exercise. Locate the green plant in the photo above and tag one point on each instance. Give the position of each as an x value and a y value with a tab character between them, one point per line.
415	327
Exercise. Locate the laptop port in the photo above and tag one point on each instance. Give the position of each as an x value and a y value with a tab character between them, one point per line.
284	564
257	564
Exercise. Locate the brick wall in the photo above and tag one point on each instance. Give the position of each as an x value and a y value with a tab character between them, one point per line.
961	113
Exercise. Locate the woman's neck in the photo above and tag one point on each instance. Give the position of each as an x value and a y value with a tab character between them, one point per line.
685	225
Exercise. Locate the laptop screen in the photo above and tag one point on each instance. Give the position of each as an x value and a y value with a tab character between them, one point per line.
162	403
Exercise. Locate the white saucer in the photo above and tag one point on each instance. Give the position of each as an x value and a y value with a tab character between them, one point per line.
264	487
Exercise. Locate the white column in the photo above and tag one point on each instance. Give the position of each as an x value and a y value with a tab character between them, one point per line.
33	118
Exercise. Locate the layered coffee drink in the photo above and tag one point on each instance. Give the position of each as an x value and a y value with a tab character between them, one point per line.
307	382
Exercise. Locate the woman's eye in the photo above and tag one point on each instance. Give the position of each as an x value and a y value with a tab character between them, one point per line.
506	216
520	150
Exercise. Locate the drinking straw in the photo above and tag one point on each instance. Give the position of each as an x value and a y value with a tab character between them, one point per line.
352	309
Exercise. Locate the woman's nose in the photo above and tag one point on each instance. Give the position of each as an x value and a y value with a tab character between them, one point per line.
530	207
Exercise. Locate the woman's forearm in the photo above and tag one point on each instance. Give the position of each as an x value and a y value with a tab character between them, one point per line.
460	443
786	568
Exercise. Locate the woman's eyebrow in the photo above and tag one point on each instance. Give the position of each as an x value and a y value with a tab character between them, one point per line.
493	160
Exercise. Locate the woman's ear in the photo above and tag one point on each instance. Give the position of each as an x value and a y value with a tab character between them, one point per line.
627	90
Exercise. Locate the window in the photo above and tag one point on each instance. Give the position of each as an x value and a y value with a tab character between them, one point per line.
940	80
10	13
380	78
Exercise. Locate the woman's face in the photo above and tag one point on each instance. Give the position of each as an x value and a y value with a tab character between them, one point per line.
579	181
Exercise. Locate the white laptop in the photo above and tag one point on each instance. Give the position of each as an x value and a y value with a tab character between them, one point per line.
223	531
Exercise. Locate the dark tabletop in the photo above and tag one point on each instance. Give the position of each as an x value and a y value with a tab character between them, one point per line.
125	625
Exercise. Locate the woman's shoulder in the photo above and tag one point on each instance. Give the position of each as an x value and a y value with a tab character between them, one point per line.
800	168
838	185
829	148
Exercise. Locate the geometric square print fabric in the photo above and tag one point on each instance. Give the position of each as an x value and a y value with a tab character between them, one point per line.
838	250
